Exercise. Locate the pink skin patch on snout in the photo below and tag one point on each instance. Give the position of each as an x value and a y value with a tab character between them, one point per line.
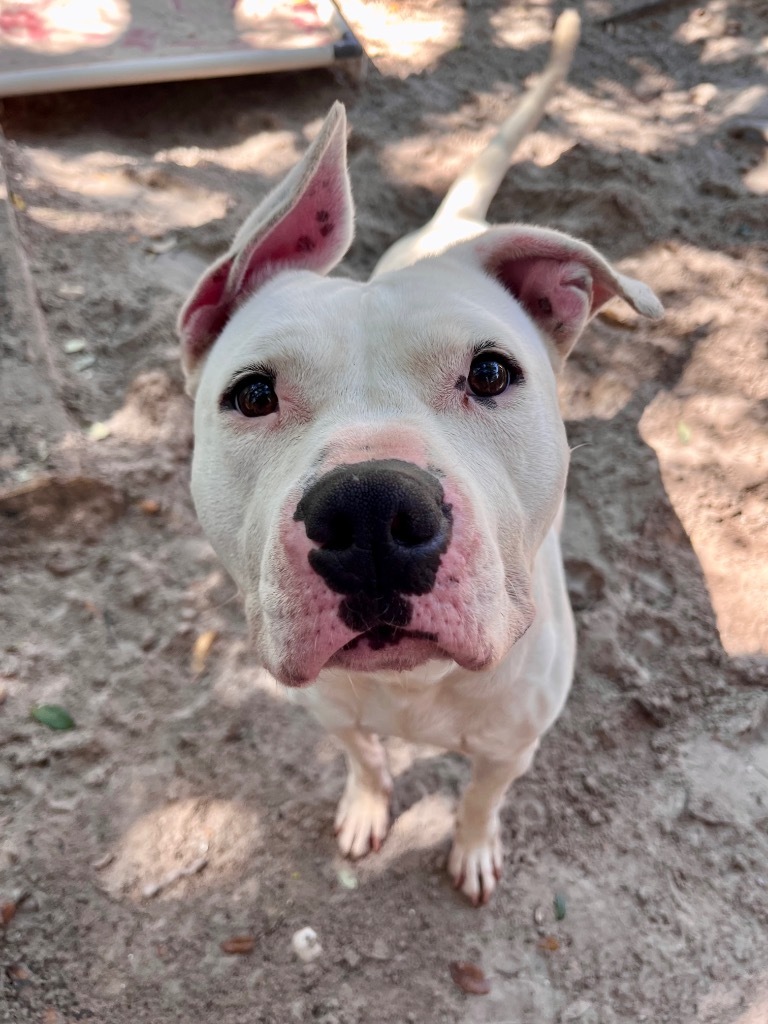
457	619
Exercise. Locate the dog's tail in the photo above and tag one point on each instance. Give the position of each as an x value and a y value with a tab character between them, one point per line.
471	194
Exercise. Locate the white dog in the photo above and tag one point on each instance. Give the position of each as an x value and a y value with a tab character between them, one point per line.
381	468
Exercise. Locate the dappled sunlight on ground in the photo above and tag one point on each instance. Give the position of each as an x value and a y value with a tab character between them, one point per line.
198	838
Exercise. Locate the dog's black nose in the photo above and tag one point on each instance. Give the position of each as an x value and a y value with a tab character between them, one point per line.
381	527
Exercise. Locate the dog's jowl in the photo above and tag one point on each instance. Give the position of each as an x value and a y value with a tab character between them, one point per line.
381	468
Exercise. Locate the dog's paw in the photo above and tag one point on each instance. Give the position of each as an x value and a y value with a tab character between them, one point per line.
362	820
475	866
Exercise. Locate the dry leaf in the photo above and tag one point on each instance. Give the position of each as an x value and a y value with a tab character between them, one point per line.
18	974
149	506
202	649
7	913
239	944
53	716
470	978
17	201
51	1016
549	943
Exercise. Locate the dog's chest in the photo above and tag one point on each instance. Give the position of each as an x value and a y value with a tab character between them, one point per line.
456	716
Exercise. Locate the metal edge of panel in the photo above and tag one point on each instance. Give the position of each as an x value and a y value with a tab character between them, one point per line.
226	64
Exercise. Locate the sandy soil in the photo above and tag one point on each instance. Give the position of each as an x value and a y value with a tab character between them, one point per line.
647	809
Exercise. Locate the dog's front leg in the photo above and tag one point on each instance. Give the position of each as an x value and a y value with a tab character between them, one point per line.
362	819
476	856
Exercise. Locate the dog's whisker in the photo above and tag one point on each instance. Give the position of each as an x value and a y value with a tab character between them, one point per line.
352	685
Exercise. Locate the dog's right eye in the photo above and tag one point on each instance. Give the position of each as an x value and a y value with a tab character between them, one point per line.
253	396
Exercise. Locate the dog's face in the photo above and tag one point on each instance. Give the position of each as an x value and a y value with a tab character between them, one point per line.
377	464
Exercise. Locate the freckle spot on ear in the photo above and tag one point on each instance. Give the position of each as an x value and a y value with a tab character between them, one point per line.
322	216
326	229
545	306
305	244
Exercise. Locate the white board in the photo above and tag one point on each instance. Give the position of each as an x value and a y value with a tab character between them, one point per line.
52	45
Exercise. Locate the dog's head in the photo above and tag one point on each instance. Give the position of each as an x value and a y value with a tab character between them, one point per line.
377	464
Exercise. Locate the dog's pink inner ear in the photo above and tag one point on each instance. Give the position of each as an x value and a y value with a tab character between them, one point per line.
559	294
305	223
313	235
205	314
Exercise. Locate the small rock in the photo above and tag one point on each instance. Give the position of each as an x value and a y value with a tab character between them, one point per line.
306	945
595	817
351	957
99	431
70	291
591	785
161	245
380	950
576	1010
650	89
74	345
739	863
559	906
62	565
347	878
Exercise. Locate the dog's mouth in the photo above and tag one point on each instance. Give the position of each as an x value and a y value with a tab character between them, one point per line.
384	647
381	636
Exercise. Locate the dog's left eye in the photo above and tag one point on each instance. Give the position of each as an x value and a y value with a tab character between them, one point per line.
253	396
491	374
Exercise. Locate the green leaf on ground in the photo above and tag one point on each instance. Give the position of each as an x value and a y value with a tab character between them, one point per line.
53	716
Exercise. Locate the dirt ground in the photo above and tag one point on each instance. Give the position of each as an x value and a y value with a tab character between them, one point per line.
647	808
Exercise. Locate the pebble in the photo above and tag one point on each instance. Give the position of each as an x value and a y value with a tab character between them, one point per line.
576	1010
70	291
591	785
306	945
74	345
380	950
351	957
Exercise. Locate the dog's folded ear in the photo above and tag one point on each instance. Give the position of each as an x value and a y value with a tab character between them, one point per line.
560	281
305	223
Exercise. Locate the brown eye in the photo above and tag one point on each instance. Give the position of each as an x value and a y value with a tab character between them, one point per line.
491	374
254	396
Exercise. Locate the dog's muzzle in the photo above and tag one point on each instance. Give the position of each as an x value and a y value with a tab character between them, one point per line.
380	528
